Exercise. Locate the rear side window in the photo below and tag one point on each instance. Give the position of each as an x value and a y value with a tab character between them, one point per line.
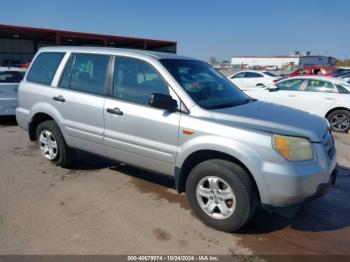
319	86
270	74
86	73
44	68
11	76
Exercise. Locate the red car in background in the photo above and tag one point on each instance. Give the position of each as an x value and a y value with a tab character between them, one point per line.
317	70
25	65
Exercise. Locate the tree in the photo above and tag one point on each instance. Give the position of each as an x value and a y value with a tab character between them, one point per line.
343	62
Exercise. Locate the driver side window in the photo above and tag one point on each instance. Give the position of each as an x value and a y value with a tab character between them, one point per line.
135	80
290	85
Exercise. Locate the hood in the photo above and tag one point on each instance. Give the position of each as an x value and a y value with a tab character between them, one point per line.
273	118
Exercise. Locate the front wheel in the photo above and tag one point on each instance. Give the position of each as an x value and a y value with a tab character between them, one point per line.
339	120
222	194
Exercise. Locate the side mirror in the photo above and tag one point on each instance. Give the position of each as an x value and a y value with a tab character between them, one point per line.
272	88
163	102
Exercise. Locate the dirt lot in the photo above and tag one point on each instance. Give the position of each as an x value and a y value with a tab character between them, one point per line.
100	207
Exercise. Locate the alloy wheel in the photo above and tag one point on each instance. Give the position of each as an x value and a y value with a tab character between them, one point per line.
215	197
340	122
48	145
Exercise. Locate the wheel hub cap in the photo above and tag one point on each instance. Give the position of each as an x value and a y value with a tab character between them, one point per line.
48	145
215	197
340	122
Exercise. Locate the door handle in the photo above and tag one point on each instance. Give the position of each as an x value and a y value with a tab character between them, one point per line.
115	111
59	98
292	95
330	98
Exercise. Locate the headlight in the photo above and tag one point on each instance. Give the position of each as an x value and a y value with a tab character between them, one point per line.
293	148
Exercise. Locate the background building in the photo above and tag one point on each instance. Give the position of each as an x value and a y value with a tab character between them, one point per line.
283	61
19	44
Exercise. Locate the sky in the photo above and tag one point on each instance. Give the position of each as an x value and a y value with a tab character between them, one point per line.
201	28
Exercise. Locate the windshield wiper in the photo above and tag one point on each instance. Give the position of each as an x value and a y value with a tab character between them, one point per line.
223	106
249	100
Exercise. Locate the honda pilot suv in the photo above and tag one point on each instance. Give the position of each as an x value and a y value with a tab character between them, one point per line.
179	117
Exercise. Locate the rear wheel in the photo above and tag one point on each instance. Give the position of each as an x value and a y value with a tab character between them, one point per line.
52	144
339	120
222	194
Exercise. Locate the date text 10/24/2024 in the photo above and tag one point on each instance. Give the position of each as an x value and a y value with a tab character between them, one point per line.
173	258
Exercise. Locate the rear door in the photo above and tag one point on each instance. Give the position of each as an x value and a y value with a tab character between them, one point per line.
80	98
317	97
137	133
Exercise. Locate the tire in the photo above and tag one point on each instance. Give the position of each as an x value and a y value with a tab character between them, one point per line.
49	134
245	196
335	122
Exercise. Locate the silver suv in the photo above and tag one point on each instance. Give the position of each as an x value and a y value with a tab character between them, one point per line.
176	116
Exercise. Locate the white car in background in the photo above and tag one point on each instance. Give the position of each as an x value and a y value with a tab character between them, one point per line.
271	68
252	79
344	76
324	96
9	80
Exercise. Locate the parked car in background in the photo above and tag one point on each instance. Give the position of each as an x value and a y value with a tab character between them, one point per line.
250	79
271	68
179	117
256	67
317	70
9	79
324	96
345	76
25	65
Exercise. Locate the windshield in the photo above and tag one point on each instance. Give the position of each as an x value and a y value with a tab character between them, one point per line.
204	84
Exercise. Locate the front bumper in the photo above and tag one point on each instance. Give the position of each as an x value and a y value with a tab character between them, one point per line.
323	189
289	183
8	106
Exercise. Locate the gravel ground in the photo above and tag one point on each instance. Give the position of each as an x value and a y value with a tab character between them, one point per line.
101	207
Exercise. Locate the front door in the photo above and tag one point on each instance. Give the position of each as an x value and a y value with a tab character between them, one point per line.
286	94
135	132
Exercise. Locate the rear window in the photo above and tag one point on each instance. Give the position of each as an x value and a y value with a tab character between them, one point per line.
342	90
270	74
334	71
44	68
11	76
